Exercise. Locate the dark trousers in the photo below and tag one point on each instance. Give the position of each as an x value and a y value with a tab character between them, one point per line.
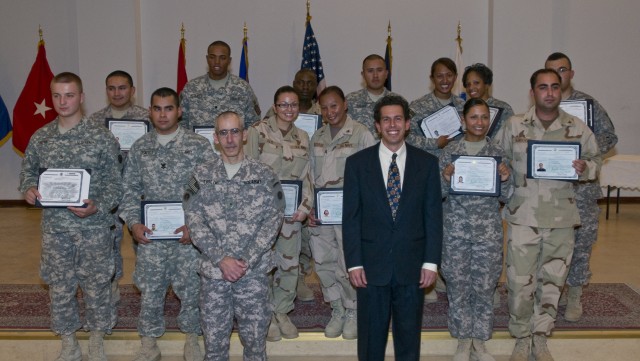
377	305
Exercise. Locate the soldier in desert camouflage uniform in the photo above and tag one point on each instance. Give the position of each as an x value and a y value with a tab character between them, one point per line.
587	192
277	142
206	96
472	245
77	242
234	208
330	147
120	91
541	216
361	102
158	168
443	76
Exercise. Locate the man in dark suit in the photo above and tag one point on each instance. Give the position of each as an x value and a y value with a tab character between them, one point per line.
392	229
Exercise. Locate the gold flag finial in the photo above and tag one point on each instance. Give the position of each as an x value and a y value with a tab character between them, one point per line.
459	38
389	29
182	32
245	29
308	10
41	42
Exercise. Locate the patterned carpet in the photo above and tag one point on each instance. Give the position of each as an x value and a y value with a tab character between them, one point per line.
607	306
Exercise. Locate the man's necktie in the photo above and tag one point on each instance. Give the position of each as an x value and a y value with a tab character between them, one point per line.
393	186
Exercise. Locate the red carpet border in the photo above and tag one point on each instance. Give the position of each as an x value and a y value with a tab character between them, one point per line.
607	306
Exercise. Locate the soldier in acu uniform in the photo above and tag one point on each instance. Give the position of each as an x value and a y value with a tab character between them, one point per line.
77	242
158	168
234	208
541	216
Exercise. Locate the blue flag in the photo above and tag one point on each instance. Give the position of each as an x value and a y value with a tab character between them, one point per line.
311	57
244	61
5	123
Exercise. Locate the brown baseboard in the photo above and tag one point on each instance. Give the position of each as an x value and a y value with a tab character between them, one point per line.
628	200
10	203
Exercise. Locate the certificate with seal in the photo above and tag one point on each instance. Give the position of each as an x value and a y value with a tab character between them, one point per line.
552	160
582	108
127	131
63	187
476	175
292	190
445	121
207	132
162	218
328	206
494	114
309	123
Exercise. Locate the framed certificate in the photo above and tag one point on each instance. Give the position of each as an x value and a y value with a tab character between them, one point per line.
328	206
63	187
292	190
494	114
552	160
127	131
582	109
162	218
445	121
309	123
477	175
207	132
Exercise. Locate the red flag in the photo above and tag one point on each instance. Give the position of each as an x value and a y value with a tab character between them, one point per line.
182	67
34	107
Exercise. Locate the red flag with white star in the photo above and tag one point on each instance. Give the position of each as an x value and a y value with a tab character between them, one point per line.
34	107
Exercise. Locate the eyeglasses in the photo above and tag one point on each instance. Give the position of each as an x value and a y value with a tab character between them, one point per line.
287	105
563	70
224	132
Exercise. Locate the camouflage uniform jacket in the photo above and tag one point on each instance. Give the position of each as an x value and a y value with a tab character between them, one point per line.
471	214
85	146
422	108
315	109
287	155
545	203
507	112
160	173
361	108
201	103
328	156
605	136
238	217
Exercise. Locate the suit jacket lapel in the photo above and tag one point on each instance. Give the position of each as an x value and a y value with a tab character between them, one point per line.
409	183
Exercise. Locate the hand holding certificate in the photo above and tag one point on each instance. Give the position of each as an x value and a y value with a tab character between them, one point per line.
445	121
475	175
309	123
163	219
63	187
328	206
292	196
127	131
552	160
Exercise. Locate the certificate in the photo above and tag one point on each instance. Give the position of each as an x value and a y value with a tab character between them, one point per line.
328	206
475	175
207	132
582	109
162	218
494	114
552	160
63	187
292	196
309	123
445	121
127	131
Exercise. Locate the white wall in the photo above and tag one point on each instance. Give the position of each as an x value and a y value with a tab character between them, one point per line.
93	37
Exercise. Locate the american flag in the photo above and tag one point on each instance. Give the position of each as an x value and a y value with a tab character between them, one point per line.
311	57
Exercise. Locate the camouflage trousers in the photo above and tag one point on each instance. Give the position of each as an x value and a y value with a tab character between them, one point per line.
247	300
537	265
328	255
586	236
83	258
158	265
285	278
471	268
305	251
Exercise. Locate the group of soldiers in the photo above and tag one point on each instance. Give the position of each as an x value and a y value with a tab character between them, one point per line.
235	234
